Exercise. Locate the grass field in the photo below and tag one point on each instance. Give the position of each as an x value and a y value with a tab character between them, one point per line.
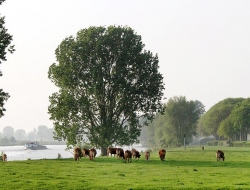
192	168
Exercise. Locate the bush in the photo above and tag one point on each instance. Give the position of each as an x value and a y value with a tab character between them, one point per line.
240	144
212	143
205	140
229	143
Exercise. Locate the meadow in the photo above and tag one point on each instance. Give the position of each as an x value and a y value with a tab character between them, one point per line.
190	168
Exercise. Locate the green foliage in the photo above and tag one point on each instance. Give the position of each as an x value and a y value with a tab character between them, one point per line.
226	128
205	140
240	115
212	143
5	40
182	117
179	119
216	114
240	144
192	168
106	83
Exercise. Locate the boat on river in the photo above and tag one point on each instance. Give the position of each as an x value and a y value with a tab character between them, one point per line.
34	145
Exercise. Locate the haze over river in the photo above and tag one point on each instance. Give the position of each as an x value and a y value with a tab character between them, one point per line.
52	151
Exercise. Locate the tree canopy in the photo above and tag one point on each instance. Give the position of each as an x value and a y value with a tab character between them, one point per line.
179	119
240	116
5	40
106	82
218	113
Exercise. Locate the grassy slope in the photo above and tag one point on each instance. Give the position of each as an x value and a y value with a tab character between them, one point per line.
183	169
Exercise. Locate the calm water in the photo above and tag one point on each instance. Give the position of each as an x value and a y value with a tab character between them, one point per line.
18	152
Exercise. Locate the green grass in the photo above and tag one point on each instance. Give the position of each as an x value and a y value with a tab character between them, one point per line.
192	168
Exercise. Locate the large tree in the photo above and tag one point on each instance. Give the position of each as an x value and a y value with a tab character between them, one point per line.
216	114
106	82
240	117
182	117
5	40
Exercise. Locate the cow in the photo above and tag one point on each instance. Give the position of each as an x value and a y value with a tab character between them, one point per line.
92	153
4	157
120	153
135	154
220	155
162	154
111	151
77	154
147	155
85	152
128	156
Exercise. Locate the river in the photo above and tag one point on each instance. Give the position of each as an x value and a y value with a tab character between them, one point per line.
52	151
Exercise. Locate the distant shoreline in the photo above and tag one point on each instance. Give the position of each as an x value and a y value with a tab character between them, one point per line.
22	143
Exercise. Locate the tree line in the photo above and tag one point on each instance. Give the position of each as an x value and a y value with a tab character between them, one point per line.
227	120
9	136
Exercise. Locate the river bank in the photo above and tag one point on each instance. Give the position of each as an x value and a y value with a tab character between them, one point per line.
52	152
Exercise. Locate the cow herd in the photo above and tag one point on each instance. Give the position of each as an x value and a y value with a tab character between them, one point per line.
127	155
78	153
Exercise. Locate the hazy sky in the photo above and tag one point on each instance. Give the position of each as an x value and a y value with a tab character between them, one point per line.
203	47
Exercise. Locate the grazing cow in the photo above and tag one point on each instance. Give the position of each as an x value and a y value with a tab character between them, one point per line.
220	155
162	154
120	153
92	153
77	154
147	155
135	154
128	156
4	157
85	152
111	151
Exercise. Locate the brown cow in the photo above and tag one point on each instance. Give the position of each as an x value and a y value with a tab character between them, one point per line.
162	154
120	153
85	152
147	155
92	153
77	154
128	156
4	157
135	154
220	155
111	151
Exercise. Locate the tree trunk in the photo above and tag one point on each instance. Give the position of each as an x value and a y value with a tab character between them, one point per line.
103	151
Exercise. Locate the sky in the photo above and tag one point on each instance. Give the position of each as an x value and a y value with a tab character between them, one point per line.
203	48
